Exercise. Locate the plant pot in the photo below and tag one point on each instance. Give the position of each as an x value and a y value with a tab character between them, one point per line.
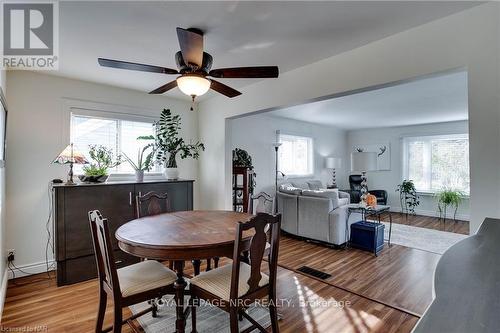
93	179
171	173
139	176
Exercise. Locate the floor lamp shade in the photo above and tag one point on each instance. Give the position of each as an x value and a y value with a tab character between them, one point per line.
363	161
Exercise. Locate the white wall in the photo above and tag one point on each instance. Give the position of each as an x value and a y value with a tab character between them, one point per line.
256	134
35	136
468	39
388	180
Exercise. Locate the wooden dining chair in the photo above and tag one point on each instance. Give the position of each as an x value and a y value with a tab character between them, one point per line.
128	285
235	286
152	203
265	203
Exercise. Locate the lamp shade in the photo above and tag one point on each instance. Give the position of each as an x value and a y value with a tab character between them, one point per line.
363	161
70	154
333	162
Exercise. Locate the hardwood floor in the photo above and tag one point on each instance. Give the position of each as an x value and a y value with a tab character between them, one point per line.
383	294
400	276
459	227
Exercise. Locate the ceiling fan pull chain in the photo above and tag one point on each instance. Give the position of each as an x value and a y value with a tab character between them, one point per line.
192	102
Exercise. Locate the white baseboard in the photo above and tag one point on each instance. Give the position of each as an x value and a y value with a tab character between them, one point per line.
462	217
30	269
3	291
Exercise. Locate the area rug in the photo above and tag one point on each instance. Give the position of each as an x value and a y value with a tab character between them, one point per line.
209	319
431	240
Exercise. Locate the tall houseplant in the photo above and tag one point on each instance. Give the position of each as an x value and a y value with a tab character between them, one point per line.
169	145
448	197
143	163
408	197
102	160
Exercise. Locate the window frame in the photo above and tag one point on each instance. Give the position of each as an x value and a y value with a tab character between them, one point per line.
428	138
310	161
95	110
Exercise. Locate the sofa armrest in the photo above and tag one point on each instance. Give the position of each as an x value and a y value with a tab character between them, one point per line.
345	195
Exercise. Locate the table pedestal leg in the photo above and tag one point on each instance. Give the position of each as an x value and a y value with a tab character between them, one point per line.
179	286
390	228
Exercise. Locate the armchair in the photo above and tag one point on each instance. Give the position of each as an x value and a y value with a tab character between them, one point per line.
355	191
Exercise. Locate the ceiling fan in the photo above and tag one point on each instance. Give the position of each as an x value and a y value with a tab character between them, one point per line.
194	66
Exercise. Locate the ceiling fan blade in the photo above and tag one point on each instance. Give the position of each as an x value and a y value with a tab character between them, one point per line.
135	66
164	88
223	89
246	72
191	43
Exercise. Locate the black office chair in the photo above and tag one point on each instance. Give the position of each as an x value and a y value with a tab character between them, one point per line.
355	191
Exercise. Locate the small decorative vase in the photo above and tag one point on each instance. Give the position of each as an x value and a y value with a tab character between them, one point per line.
172	173
139	176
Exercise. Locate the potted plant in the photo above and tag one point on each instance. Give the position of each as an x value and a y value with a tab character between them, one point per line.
143	163
102	160
448	197
408	197
168	143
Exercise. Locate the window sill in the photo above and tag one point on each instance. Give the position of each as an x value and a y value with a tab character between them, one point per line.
431	194
131	176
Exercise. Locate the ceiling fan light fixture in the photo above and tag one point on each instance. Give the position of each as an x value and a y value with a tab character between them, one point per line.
193	85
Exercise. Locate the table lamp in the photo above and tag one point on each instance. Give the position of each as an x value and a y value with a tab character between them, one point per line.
333	163
362	162
70	155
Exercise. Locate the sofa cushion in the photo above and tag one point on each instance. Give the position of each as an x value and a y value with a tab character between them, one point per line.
301	184
290	189
315	184
332	194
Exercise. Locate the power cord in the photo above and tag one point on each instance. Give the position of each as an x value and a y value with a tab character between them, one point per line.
48	245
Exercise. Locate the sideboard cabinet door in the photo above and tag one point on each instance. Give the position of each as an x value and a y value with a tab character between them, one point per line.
115	202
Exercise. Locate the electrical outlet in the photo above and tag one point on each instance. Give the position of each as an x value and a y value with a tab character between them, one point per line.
11	255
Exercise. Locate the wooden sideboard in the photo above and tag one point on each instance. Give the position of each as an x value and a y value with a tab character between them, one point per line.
116	201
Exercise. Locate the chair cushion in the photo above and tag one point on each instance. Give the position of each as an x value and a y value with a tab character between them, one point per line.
144	276
218	281
332	194
315	184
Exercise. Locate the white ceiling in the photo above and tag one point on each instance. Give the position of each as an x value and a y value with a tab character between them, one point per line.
436	99
288	34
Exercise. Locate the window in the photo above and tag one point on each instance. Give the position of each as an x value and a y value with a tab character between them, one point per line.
119	135
437	162
296	155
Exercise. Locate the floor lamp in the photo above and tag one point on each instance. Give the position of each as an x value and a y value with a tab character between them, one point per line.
276	146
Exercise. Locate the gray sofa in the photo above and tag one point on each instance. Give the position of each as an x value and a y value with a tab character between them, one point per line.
311	211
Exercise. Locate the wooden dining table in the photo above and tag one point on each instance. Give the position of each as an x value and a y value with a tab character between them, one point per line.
180	237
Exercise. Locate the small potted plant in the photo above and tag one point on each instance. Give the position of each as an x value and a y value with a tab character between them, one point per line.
102	160
143	163
168	144
448	198
408	197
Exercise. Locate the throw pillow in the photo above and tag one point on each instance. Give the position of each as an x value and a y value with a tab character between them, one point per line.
315	184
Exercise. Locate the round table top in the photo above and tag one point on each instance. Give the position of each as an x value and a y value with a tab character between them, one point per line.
182	235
